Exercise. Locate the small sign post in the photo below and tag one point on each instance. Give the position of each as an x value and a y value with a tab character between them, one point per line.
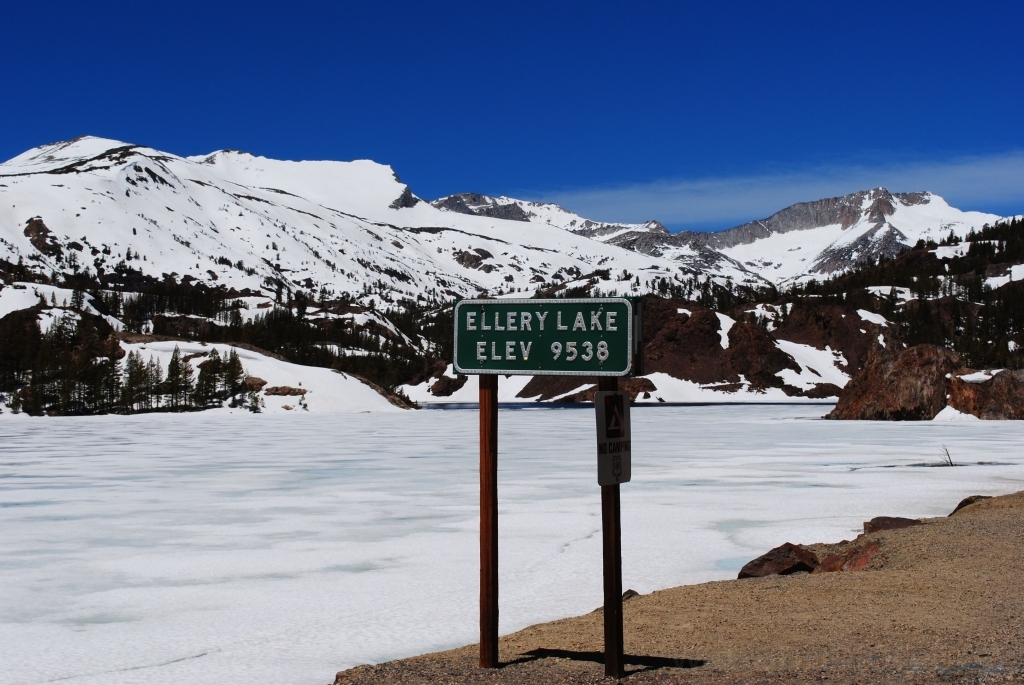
596	337
613	437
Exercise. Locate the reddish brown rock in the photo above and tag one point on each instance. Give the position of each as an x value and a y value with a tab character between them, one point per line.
284	391
908	385
851	559
753	353
253	384
1001	397
783	560
687	346
835	562
862	558
446	386
832	326
888	523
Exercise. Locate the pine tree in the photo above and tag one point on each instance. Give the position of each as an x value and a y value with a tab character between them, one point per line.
136	389
208	381
172	384
179	380
154	383
233	373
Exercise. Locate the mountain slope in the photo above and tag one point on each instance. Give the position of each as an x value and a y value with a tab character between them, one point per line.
247	222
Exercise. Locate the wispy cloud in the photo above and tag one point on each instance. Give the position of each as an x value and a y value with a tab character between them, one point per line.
991	183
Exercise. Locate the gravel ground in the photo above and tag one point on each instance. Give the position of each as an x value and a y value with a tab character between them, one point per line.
940	602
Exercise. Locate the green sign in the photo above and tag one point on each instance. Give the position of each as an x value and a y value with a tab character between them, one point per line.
582	337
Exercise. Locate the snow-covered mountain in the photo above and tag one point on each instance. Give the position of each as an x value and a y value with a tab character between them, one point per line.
804	241
246	222
818	239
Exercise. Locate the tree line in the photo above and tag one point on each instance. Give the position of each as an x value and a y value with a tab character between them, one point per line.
76	370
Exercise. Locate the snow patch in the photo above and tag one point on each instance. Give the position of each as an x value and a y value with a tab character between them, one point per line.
950	414
978	377
871	317
726	324
816	366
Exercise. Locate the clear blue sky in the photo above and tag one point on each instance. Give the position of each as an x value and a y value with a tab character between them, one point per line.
702	117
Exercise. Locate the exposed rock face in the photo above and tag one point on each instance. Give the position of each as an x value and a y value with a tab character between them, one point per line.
474	259
634	386
783	560
481	205
688	346
888	523
917	383
446	386
910	385
1001	397
406	199
42	238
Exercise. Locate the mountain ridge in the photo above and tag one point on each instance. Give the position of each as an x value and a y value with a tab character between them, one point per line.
330	219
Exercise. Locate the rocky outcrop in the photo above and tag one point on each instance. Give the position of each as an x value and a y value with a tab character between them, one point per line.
42	238
405	200
285	391
988	396
634	386
446	386
917	383
689	346
910	385
783	560
482	205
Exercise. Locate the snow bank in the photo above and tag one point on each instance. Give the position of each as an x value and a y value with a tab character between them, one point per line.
328	392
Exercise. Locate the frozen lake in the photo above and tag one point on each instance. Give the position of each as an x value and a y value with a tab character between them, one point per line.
280	549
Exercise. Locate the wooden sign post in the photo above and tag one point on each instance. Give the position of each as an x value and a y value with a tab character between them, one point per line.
611	537
562	337
488	521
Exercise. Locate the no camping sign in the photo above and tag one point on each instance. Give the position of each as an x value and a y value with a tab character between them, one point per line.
614	448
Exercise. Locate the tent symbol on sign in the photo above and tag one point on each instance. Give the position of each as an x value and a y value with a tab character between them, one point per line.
614	426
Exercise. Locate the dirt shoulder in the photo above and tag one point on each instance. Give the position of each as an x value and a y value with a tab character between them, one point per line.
939	602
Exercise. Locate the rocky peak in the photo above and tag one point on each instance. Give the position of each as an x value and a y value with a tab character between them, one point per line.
482	205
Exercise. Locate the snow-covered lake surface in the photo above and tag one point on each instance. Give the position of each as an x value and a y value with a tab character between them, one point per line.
280	549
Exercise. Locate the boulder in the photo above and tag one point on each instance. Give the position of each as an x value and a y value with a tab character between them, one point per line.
968	501
253	384
850	559
862	558
783	560
888	523
903	385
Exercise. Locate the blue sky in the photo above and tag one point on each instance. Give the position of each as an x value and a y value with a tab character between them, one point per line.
700	116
